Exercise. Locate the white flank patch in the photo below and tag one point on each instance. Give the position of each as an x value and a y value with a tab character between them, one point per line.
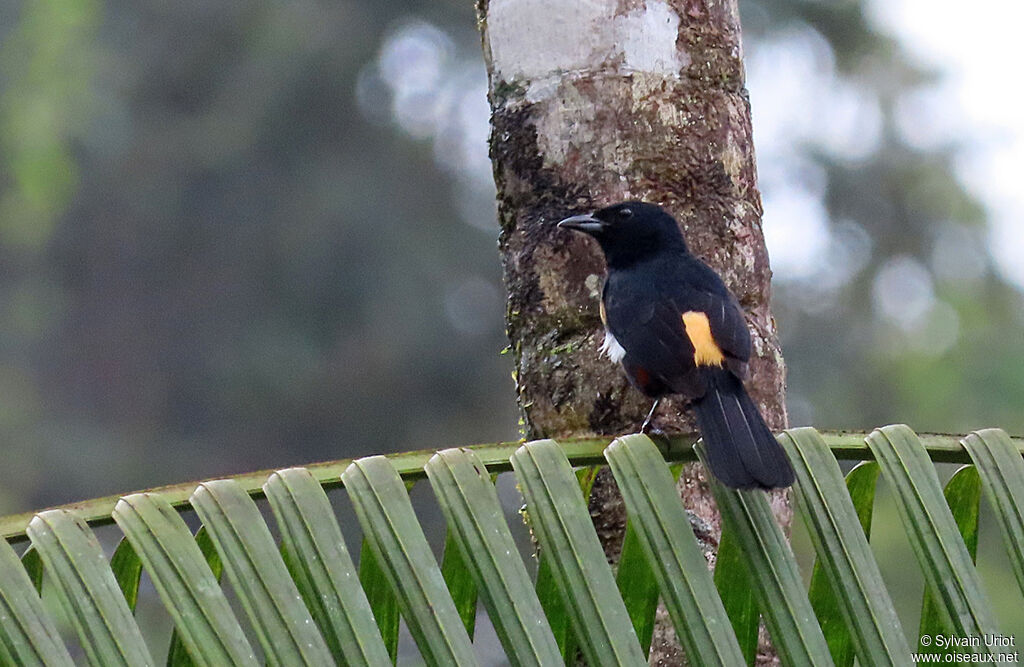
611	348
532	40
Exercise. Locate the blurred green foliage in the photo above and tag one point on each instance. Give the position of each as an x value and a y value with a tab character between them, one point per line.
955	367
48	59
239	235
212	261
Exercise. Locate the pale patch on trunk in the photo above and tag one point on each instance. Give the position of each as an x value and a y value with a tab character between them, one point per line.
532	41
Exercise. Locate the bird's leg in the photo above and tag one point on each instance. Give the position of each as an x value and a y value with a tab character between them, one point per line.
646	428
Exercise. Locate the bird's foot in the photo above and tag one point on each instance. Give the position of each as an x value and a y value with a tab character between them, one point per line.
646	428
650	429
660	439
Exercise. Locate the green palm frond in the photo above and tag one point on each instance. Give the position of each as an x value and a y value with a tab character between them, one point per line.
300	598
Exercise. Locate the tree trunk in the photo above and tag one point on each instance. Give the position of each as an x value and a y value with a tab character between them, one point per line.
594	102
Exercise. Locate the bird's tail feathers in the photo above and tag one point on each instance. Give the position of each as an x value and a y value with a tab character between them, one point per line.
741	450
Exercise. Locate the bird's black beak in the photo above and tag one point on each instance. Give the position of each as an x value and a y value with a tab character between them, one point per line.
586	223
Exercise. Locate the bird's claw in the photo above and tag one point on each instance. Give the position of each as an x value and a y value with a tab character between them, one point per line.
660	439
651	429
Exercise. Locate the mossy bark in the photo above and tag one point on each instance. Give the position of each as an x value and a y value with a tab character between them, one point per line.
599	102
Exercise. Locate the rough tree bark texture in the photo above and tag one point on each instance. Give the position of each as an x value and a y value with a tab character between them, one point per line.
593	102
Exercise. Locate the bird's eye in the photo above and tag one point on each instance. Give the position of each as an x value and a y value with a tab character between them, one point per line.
625	213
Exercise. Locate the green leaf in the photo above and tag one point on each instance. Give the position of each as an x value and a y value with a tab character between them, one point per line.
381	597
860	483
202	616
637	586
33	565
664	531
941	553
177	654
847	446
127	569
547	584
322	568
258	575
844	555
460	582
87	590
389	523
477	525
306	522
963	496
586	477
733	583
563	527
773	573
555	611
637	583
1001	468
27	634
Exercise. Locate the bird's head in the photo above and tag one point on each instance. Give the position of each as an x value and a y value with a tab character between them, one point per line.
630	231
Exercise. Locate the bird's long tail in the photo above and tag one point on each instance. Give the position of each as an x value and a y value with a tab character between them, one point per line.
742	452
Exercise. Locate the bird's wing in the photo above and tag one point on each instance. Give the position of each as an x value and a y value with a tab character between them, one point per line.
668	333
725	319
695	286
658	352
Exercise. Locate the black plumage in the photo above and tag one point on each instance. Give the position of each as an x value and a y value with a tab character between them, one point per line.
677	329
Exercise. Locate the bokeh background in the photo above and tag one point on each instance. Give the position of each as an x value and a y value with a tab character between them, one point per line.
243	234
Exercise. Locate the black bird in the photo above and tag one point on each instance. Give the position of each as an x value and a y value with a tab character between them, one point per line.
677	329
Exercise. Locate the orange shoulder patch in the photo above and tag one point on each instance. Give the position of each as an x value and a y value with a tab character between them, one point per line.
698	329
